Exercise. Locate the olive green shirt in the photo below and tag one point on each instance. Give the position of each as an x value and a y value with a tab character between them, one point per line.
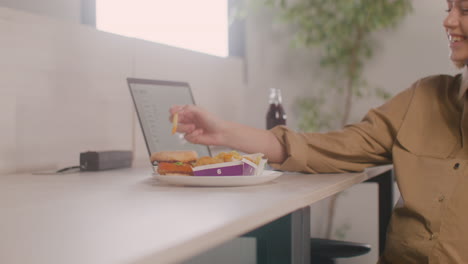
421	132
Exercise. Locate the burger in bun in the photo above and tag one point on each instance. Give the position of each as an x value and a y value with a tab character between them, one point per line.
174	162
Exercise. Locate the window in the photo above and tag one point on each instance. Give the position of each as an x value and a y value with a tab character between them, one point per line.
200	25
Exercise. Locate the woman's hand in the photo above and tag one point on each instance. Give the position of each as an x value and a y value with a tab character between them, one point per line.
199	125
203	127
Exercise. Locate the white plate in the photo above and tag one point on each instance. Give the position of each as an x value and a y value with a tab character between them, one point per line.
219	181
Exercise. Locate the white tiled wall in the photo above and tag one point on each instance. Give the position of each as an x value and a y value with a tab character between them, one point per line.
7	131
209	76
63	89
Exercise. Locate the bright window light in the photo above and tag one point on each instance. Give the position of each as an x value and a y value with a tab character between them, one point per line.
200	25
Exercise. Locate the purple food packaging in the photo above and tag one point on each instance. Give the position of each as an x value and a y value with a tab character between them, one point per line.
242	167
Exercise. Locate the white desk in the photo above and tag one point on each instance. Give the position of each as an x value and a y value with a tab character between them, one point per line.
125	216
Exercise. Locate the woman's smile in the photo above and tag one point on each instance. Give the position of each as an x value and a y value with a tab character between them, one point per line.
456	40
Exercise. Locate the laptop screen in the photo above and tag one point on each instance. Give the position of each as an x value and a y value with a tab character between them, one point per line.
152	99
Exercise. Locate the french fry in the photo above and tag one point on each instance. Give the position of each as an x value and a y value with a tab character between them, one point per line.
175	120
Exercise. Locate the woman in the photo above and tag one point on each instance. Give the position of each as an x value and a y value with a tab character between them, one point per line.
423	131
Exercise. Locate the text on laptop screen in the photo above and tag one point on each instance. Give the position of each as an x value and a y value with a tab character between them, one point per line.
152	102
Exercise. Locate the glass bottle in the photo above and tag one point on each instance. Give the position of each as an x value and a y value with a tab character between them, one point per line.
275	115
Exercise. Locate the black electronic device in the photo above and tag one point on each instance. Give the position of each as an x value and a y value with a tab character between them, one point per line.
105	160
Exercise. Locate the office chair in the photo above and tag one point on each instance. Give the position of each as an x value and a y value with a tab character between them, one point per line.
325	251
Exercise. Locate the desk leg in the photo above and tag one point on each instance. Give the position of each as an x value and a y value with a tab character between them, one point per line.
285	240
385	183
301	236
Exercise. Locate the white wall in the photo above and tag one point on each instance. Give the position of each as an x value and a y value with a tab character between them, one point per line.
63	89
68	10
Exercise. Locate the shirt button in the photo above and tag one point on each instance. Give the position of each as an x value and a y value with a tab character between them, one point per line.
434	236
456	166
441	198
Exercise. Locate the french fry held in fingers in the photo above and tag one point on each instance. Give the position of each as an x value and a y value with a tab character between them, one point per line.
175	120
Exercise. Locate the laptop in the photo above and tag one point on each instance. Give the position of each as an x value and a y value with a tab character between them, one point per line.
152	100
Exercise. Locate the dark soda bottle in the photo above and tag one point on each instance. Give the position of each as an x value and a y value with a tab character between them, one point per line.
275	115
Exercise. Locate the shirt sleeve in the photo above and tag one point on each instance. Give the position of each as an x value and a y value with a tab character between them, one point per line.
354	148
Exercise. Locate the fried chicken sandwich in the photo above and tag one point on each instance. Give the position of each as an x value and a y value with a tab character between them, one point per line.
174	162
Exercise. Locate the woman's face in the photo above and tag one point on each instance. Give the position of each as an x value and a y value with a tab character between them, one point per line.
456	26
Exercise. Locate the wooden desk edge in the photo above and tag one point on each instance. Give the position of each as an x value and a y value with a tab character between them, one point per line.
378	170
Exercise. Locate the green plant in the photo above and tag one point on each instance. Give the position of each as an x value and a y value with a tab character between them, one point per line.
344	33
311	116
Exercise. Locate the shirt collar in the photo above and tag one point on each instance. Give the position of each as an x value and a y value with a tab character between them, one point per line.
463	84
